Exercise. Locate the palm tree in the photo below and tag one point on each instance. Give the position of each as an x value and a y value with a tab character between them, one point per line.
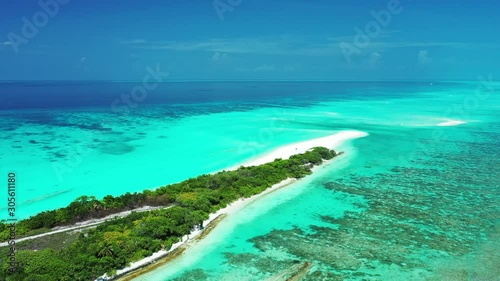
106	251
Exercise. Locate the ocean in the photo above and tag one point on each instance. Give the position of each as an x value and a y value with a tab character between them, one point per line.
417	199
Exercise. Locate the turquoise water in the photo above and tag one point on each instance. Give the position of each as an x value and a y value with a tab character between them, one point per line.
411	201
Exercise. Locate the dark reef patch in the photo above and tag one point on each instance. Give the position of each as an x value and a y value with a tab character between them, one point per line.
47	147
58	154
47	196
193	275
116	148
30	133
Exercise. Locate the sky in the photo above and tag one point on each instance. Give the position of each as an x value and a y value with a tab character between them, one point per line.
249	39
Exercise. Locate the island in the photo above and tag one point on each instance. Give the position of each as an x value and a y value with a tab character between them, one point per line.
171	212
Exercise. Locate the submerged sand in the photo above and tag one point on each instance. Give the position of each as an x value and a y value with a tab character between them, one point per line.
451	123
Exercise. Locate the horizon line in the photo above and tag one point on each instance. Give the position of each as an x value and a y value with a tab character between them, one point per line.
249	80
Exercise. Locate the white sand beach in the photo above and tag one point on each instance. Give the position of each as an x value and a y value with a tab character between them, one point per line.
284	152
332	142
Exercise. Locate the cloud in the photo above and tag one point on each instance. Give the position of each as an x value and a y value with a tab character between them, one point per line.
423	57
260	68
374	58
285	45
265	67
292	67
414	44
6	43
83	64
134	41
270	46
218	56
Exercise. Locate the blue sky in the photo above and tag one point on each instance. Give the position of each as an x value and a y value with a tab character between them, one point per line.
249	39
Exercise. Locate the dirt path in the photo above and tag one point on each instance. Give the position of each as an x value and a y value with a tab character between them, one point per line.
84	224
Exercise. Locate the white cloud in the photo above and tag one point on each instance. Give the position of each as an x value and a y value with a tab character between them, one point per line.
218	56
284	45
271	46
260	68
6	43
83	64
292	67
423	57
134	41
374	58
265	67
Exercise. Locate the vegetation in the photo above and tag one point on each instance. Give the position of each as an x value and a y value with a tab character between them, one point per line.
116	243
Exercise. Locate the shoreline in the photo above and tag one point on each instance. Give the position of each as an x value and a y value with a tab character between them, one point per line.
171	255
284	152
151	263
193	237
